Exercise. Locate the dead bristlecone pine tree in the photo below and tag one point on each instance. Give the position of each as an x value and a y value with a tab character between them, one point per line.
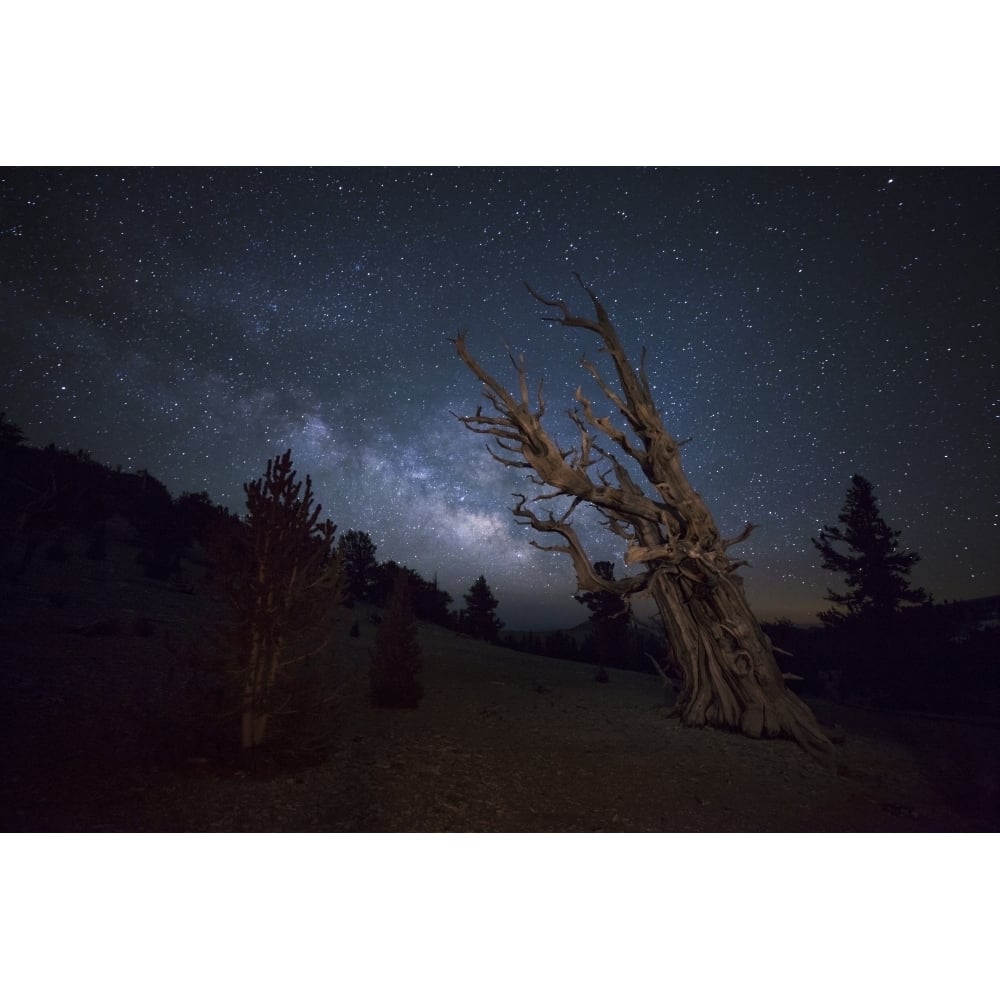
729	675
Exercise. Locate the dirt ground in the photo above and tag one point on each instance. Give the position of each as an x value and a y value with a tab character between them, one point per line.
104	729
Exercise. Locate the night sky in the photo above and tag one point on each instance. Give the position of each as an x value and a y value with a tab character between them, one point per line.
801	326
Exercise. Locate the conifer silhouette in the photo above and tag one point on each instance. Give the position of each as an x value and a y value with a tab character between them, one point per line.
876	569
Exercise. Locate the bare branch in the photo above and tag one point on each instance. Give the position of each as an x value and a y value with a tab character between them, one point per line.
604	424
509	462
517	425
741	537
620	528
587	579
656	663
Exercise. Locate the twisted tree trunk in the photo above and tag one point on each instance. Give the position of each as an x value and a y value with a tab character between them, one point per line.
730	678
729	675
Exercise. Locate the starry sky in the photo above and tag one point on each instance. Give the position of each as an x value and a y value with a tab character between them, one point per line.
801	325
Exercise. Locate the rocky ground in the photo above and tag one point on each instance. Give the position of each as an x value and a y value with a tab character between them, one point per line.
109	726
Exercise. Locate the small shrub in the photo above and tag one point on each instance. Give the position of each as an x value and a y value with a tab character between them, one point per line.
396	660
601	676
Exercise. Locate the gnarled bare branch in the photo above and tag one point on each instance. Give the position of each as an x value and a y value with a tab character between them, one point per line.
587	579
741	537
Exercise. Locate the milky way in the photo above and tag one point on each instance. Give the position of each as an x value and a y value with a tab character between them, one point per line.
801	325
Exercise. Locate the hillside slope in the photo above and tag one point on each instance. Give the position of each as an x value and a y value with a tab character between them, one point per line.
106	728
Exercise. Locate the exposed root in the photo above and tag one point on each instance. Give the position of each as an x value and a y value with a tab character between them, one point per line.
782	718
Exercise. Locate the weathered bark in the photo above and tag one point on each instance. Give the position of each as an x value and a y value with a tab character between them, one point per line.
729	675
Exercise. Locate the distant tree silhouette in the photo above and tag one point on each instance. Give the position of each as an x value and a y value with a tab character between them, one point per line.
11	434
383	579
876	570
151	510
882	639
396	660
610	618
478	617
560	646
195	516
45	494
357	555
430	602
